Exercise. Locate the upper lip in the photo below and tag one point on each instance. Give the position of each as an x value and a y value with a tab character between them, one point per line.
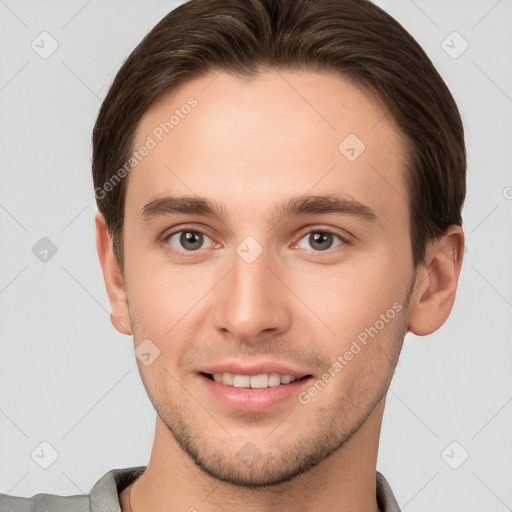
254	368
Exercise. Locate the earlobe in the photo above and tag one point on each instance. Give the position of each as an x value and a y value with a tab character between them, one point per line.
112	275
436	283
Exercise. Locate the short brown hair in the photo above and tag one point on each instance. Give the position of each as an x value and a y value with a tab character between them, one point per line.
354	38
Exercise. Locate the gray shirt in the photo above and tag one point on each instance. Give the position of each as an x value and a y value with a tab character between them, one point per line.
104	496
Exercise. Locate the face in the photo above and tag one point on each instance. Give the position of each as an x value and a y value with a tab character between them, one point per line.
266	235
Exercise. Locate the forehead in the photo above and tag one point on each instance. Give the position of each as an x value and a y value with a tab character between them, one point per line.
281	133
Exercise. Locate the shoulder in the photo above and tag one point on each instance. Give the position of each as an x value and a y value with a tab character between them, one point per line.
385	497
104	496
44	503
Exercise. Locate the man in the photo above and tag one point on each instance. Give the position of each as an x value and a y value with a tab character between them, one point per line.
279	185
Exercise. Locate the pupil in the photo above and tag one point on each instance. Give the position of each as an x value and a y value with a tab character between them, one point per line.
193	239
319	238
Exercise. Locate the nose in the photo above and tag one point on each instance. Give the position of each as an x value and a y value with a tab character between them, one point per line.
252	303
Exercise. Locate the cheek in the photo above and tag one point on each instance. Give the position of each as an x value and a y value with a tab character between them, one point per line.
349	298
166	301
151	281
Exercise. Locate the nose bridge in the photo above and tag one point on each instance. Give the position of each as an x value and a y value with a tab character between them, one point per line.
250	302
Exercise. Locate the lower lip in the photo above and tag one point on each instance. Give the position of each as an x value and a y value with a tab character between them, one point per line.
253	400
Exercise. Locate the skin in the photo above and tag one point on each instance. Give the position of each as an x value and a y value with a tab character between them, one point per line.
249	144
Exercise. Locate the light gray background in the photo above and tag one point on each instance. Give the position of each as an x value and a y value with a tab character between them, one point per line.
69	379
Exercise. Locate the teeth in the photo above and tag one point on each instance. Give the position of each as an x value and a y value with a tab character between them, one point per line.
241	381
259	381
226	378
274	379
262	381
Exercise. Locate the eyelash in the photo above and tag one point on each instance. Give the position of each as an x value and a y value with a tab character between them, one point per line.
343	238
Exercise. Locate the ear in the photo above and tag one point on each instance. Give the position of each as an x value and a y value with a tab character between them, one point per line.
436	283
113	277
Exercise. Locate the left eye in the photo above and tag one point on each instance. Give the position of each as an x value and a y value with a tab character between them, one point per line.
188	239
320	240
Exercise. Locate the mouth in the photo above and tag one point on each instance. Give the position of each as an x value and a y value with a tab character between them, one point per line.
255	386
260	381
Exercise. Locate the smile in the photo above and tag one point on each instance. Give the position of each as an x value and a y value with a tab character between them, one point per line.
261	381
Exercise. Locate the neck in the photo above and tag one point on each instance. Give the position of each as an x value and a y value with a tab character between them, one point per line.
346	480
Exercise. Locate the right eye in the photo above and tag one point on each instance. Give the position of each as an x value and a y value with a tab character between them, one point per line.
187	240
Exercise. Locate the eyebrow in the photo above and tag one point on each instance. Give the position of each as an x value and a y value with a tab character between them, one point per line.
294	206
